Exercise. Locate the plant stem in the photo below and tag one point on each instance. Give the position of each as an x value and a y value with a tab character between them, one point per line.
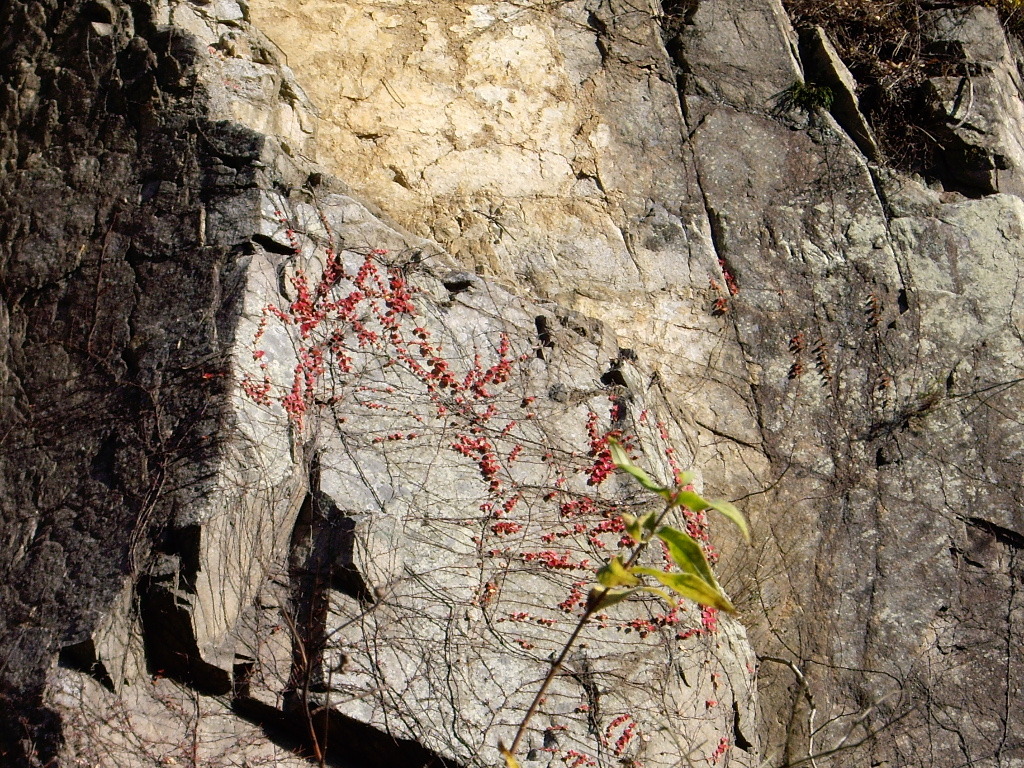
555	666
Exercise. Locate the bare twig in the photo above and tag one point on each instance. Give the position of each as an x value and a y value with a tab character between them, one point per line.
802	680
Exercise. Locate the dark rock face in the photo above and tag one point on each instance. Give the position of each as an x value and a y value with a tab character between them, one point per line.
112	323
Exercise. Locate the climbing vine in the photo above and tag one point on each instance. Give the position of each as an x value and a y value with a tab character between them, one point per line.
366	353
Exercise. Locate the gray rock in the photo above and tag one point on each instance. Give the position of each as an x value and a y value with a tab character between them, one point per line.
821	58
835	343
980	108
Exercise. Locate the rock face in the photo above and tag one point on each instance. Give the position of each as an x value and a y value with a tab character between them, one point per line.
113	306
836	336
211	565
442	551
979	107
218	546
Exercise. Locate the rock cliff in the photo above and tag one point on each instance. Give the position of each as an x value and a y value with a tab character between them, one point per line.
219	550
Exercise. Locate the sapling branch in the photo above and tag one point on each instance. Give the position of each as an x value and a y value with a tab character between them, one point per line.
618	579
596	600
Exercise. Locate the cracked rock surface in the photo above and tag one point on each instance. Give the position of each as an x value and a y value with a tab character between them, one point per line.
844	341
192	577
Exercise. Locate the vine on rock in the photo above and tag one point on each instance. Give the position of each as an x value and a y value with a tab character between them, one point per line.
363	344
689	574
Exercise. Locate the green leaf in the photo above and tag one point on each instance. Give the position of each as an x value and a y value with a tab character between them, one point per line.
619	455
603	598
685	478
687	554
730	511
660	593
696	581
636	527
693	588
622	461
632	526
615	574
692	501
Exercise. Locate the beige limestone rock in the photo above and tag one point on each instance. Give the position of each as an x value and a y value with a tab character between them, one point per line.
495	129
544	145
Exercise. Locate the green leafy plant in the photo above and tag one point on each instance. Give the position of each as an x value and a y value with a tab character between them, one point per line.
619	579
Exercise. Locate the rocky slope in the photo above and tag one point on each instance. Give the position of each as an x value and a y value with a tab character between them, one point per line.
193	577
